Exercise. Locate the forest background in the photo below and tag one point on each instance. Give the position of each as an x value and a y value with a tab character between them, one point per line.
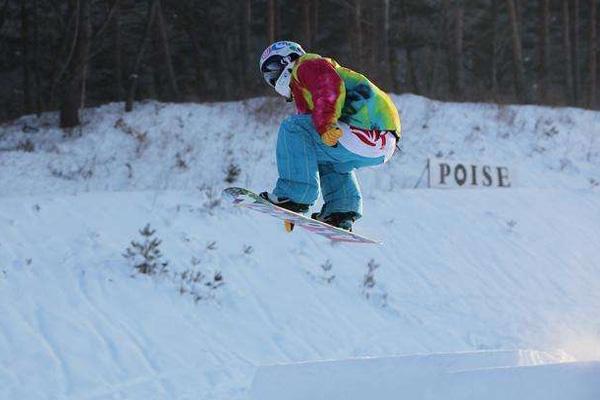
67	54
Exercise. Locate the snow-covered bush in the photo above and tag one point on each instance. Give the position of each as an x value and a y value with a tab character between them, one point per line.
212	198
70	170
370	289
180	162
26	146
369	278
183	158
141	138
200	285
324	274
232	173
146	256
327	275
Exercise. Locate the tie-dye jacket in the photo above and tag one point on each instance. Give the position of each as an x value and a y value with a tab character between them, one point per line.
331	92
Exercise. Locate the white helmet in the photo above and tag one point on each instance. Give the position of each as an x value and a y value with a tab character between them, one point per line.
276	64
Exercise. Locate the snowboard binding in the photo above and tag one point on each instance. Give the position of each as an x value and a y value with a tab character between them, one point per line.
288	205
342	220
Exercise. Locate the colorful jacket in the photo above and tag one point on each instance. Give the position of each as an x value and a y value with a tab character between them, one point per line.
330	92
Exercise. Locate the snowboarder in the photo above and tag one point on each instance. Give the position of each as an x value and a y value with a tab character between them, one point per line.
344	122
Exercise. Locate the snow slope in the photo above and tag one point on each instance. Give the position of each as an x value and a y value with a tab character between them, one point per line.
459	270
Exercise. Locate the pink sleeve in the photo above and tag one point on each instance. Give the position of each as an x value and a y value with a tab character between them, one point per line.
327	90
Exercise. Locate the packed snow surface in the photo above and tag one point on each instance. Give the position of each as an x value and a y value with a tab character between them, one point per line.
459	270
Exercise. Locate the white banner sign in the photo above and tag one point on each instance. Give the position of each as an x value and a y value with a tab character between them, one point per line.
455	174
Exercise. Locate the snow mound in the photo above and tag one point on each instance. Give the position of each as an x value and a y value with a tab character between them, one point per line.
186	146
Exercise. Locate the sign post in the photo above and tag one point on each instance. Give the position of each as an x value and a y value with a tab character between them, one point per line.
455	174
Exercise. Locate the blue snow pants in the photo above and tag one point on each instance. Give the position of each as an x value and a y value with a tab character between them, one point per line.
306	164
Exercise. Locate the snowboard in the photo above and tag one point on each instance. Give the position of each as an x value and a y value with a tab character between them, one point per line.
245	198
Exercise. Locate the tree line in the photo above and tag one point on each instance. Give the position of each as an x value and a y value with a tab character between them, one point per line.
66	54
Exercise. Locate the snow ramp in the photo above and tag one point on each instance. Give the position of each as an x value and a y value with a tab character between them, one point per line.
491	375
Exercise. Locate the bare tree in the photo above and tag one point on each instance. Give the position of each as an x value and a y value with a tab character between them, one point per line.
271	20
386	57
36	58
459	21
190	25
494	49
356	33
519	69
26	58
163	42
457	48
71	77
117	49
392	59
155	24
543	40
315	23
575	51
134	75
371	43
306	23
447	41
73	85
593	54
245	33
567	51
277	13
453	32
412	80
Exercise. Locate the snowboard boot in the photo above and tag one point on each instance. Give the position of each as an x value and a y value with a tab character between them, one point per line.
288	204
342	220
